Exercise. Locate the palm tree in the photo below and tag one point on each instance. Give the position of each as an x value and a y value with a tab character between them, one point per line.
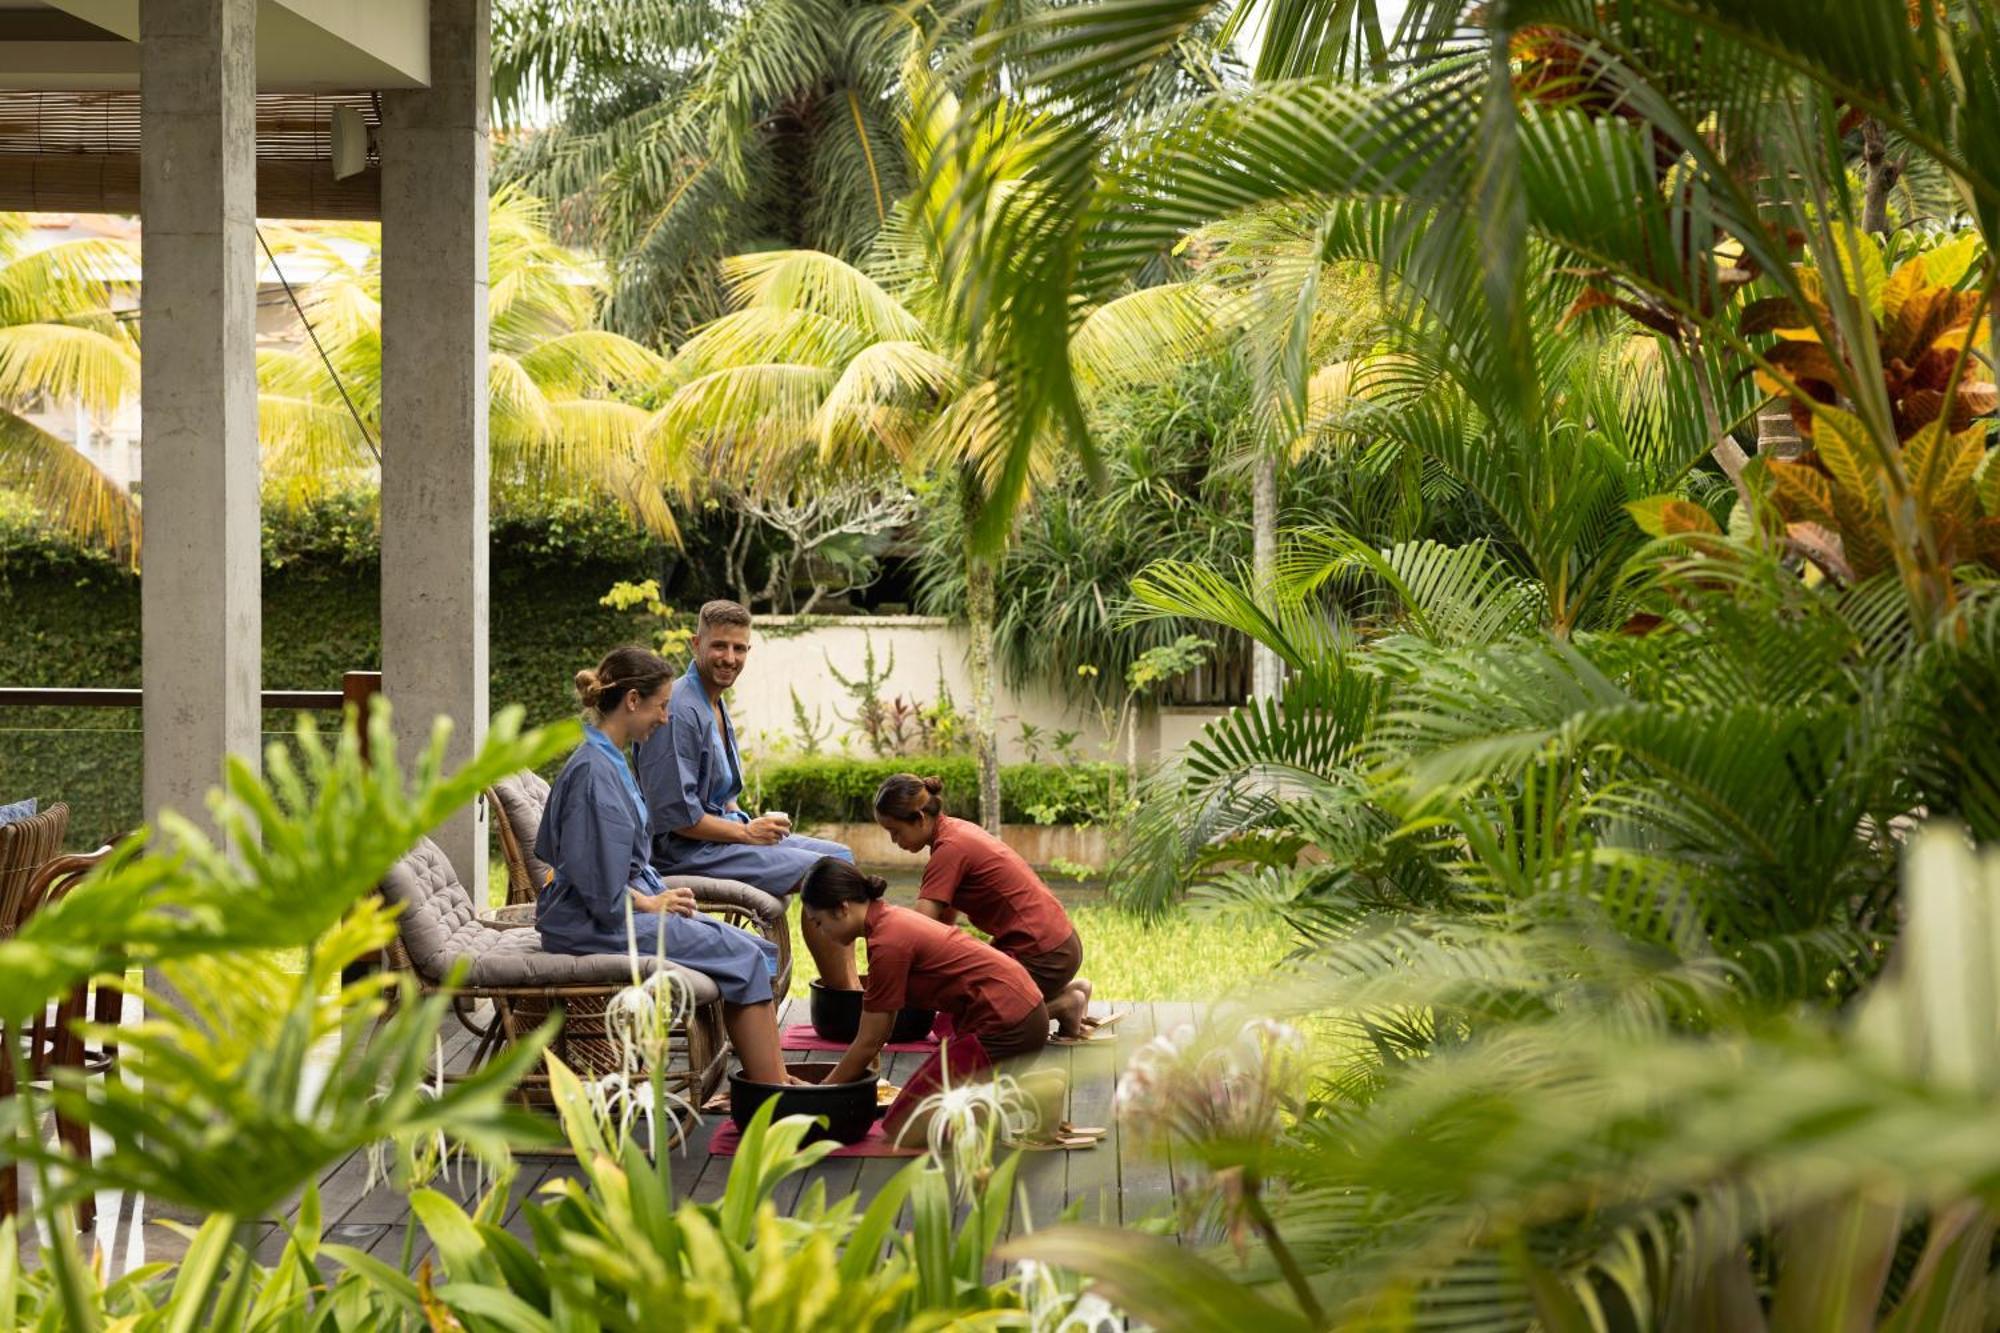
691	132
560	415
824	364
1644	141
685	133
61	343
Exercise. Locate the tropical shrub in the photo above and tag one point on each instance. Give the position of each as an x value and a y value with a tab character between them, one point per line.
836	790
1599	1169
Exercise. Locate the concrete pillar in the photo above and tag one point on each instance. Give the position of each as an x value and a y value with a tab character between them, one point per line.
434	459
201	617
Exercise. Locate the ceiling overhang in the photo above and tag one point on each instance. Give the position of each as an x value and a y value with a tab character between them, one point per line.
303	46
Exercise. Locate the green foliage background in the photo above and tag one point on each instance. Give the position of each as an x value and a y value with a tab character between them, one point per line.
842	789
72	619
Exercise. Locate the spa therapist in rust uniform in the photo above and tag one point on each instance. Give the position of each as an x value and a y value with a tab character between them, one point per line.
973	873
918	962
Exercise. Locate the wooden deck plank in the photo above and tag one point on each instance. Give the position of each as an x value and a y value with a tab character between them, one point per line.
1145	1176
1093	1174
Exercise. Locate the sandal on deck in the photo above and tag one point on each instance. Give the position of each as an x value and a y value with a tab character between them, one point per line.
1087	1038
1104	1024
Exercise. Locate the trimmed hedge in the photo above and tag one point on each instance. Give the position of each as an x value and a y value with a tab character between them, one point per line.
842	790
72	619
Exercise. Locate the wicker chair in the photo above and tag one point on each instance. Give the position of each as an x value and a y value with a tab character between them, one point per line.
520	985
29	848
520	800
56	1043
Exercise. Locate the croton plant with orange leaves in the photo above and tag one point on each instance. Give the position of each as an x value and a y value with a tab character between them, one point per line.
1929	339
1931	335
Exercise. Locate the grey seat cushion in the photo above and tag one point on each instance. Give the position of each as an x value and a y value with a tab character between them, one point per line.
767	908
522	798
439	928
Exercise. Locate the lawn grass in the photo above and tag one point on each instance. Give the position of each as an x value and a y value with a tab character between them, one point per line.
1180	957
1177	958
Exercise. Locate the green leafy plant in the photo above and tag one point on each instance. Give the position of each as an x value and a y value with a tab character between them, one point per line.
219	1104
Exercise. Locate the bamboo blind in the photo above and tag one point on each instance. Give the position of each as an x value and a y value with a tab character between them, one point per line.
79	151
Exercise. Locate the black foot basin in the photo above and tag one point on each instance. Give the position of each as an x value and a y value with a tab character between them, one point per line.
849	1108
836	1016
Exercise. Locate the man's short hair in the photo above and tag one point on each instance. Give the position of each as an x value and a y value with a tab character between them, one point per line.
721	611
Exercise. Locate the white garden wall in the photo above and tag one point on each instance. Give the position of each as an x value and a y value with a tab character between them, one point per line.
788	654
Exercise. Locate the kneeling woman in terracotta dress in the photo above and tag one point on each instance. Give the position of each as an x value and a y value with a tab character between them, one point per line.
914	961
594	836
973	873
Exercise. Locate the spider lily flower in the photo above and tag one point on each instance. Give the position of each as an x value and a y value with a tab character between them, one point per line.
1217	1085
968	1122
1059	1303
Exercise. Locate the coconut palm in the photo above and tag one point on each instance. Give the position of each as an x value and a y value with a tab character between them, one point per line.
684	133
689	132
61	343
560	418
825	364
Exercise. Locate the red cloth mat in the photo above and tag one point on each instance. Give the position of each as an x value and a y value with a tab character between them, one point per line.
723	1142
801	1037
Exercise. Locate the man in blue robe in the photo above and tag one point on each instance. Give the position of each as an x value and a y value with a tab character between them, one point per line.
692	775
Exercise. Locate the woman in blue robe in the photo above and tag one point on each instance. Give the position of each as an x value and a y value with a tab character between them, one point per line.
594	835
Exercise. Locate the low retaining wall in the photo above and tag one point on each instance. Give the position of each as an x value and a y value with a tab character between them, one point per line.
1040	845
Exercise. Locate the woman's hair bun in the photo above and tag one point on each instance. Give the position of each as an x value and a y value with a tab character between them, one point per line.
935	786
587	688
877	886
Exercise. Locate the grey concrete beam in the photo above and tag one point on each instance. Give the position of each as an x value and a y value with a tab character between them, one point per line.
434	395
201	616
305	46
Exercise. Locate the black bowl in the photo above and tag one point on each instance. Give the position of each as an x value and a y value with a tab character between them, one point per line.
836	1016
849	1108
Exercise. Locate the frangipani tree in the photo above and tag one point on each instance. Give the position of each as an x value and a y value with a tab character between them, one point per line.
61	343
561	418
826	365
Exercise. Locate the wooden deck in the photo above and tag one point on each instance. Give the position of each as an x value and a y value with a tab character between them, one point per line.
1118	1183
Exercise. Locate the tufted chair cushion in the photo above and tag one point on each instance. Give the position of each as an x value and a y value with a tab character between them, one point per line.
522	797
439	928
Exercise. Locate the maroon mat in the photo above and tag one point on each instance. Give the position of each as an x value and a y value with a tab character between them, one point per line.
801	1037
722	1143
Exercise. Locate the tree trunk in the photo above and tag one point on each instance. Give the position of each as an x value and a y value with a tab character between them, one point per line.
1267	671
1777	434
979	615
1880	174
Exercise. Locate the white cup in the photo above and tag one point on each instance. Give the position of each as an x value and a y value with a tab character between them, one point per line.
780	816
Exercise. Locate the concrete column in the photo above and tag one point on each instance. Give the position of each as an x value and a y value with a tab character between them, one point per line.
201	617
434	459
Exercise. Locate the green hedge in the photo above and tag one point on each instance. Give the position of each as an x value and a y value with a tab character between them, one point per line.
72	618
842	790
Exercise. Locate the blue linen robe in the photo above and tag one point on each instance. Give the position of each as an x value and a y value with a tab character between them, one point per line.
690	767
593	835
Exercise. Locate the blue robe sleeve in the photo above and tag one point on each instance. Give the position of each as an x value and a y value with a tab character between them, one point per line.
670	767
595	834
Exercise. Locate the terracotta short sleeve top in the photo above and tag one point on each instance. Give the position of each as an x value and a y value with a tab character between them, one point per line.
984	878
916	962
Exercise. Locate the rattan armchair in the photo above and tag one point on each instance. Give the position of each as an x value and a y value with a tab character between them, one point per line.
519	801
33	873
510	985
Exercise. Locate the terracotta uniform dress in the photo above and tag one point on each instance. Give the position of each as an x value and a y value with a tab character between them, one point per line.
987	881
996	1010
